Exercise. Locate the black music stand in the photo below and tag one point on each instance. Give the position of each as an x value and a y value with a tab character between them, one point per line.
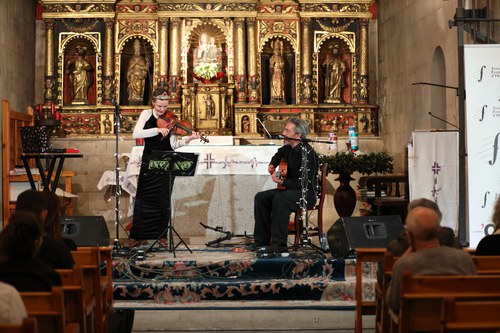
173	164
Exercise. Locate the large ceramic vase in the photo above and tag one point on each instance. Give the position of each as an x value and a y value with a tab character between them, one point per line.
344	198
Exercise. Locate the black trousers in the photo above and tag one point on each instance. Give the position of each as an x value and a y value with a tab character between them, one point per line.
272	209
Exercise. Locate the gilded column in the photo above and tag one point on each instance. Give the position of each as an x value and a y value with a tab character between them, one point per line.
306	81
363	62
175	56
253	91
240	77
108	85
50	88
163	52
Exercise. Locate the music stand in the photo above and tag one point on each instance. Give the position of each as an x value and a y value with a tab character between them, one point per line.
173	164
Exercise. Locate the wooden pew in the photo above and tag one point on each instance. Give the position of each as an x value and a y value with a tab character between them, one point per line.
79	309
29	325
487	265
470	316
420	305
364	255
48	309
95	285
382	311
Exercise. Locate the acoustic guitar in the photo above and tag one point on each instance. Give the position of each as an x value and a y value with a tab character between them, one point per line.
281	173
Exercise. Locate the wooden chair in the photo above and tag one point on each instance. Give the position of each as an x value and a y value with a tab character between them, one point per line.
382	311
396	194
364	255
12	121
95	286
470	316
29	325
297	226
422	296
79	309
48	309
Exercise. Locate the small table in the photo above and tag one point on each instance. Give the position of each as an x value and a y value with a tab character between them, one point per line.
54	157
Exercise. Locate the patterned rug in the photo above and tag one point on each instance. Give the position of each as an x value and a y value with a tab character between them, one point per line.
214	277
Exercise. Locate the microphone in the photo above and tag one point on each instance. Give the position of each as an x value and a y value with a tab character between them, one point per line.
444	121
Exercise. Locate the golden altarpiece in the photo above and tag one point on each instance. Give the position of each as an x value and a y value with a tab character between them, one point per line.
224	63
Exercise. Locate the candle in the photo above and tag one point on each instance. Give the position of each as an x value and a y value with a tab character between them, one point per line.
40	108
52	108
58	116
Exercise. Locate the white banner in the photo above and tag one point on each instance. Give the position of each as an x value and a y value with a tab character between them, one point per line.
433	171
482	86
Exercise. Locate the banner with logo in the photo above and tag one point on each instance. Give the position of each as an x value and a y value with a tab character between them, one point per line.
433	171
482	88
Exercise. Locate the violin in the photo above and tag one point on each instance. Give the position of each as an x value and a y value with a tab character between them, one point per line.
180	127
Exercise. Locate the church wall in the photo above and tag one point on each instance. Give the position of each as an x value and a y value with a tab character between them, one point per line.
17	43
409	33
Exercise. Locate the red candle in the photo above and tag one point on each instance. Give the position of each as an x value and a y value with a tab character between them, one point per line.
52	108
40	108
58	116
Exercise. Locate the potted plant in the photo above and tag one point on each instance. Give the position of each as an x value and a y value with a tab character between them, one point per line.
344	164
207	72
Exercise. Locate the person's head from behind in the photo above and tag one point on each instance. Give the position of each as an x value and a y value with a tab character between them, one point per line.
52	223
424	202
422	228
496	215
33	201
22	237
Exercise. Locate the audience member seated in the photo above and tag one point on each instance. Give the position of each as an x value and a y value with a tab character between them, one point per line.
53	225
400	245
19	266
490	245
12	310
425	255
53	251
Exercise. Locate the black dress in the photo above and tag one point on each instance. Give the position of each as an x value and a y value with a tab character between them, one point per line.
152	201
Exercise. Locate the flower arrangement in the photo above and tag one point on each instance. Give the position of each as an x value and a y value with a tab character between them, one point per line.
207	72
345	163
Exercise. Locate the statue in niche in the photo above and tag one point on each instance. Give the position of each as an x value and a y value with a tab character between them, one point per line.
209	107
364	120
277	70
245	124
137	73
207	50
334	68
306	92
107	124
79	71
49	90
108	89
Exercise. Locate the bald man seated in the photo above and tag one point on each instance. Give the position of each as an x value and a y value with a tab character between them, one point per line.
426	256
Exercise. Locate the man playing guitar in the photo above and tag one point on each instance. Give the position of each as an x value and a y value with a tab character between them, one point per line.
272	208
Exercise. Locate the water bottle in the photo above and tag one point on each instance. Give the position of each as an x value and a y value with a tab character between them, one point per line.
354	142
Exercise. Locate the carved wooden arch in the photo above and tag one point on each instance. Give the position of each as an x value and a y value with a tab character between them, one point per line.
348	44
216	25
94	40
118	58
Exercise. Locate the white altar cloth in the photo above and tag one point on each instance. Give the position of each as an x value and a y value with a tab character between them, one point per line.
207	197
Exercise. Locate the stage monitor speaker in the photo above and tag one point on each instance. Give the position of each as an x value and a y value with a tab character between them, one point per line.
349	233
86	230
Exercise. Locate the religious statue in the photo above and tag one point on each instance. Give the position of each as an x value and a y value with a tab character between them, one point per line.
364	120
334	68
108	89
107	125
137	73
209	107
306	92
207	51
245	124
49	90
79	71
277	70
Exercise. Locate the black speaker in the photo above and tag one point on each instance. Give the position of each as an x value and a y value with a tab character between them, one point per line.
86	230
349	233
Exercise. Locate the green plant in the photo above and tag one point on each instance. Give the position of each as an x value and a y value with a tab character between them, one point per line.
347	163
206	70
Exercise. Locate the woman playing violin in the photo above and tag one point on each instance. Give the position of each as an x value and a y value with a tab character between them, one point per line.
152	201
